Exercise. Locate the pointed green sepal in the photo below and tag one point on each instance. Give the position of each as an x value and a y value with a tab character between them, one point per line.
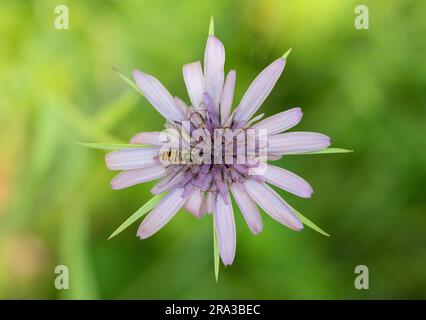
327	150
215	254
138	214
309	223
211	26
110	146
285	55
127	80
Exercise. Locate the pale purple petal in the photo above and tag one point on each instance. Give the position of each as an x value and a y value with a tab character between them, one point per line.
182	105
272	204
227	96
281	121
225	229
211	202
168	182
297	142
152	138
158	96
131	177
274	157
194	202
203	208
248	208
135	158
214	61
287	181
161	214
211	109
194	81
259	90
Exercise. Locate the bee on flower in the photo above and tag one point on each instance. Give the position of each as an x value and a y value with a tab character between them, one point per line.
211	151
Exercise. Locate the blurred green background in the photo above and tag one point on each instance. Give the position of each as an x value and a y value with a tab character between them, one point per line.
364	88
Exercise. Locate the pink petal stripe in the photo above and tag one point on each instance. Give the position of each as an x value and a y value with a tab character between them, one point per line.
297	142
248	208
227	96
288	181
128	159
272	204
194	81
158	96
131	177
259	90
214	62
281	121
161	214
147	138
225	229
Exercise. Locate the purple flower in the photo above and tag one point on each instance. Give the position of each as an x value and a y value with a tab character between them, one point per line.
216	167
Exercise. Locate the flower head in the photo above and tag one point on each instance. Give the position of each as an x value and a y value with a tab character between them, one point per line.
209	152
